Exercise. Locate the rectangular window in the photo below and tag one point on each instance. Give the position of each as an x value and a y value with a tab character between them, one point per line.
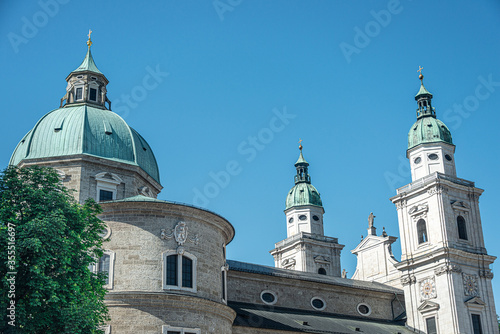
178	330
172	270
79	94
93	94
476	324
431	325
187	272
105	195
103	266
223	285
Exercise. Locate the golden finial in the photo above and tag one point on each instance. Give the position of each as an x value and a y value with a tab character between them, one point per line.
300	144
421	76
89	42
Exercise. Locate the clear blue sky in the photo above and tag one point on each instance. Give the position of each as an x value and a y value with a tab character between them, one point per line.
229	65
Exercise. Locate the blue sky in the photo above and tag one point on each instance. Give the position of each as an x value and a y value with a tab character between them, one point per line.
239	82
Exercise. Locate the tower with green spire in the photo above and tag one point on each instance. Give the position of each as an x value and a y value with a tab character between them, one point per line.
306	248
430	147
444	268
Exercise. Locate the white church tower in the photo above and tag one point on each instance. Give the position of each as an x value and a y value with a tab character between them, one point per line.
444	267
306	248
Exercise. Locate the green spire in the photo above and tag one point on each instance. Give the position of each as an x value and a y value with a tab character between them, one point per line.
423	99
88	63
301	166
422	91
301	159
427	128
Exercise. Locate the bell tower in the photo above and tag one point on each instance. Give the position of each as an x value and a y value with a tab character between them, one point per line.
306	248
445	268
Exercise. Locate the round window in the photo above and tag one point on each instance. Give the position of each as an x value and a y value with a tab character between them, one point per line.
290	220
316	218
433	156
318	303
105	232
448	157
268	297
302	217
364	309
417	160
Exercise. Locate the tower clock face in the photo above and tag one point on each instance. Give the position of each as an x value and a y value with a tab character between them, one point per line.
470	285
428	288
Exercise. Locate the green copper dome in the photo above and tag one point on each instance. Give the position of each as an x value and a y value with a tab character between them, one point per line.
303	193
84	129
427	128
85	126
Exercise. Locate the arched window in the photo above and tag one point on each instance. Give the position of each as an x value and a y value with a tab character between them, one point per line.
322	271
462	229
422	231
179	271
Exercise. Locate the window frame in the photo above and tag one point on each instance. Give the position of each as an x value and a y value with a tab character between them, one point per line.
272	293
76	93
224	269
107	184
367	306
480	323
426	233
318	308
95	268
183	330
179	271
435	323
461	222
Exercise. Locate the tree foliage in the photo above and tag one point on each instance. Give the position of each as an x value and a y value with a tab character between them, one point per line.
53	240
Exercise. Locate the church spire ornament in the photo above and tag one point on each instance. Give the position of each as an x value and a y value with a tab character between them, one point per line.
89	41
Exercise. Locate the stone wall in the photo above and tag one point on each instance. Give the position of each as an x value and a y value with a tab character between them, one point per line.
297	293
138	297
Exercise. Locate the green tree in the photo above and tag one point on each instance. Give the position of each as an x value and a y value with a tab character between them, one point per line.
51	240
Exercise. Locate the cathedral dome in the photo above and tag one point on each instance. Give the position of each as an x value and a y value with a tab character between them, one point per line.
303	194
428	130
85	129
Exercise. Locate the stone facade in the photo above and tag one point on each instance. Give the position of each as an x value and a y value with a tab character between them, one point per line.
375	261
139	266
437	270
78	172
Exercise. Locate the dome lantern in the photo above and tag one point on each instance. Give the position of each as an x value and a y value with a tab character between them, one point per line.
86	84
303	193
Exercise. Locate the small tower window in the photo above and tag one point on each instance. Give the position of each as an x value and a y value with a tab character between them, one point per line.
422	231
93	94
462	228
322	271
78	93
